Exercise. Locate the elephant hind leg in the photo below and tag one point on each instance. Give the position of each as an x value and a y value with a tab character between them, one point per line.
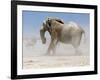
76	43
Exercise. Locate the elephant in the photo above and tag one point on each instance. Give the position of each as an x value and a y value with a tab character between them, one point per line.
69	33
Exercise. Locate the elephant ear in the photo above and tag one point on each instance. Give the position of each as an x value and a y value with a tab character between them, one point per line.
48	23
60	21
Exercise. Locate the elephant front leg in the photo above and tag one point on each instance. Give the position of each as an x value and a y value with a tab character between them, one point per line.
52	47
49	48
53	43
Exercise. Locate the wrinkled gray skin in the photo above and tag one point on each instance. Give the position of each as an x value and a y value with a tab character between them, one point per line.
69	33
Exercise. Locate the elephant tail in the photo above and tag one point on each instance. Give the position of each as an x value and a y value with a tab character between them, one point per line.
84	36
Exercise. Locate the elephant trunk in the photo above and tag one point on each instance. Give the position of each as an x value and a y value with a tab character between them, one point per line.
42	34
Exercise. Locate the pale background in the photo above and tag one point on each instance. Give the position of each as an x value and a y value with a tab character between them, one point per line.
5	29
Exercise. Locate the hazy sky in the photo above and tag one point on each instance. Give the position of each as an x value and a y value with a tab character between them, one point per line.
32	20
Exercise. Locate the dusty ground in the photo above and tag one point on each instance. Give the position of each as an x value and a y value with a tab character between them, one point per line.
55	61
34	55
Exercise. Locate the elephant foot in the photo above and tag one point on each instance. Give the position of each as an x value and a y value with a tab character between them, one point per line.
78	53
48	54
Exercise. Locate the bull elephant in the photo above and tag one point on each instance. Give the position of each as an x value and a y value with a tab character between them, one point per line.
69	33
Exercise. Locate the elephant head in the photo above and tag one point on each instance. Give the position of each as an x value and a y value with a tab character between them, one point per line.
47	26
